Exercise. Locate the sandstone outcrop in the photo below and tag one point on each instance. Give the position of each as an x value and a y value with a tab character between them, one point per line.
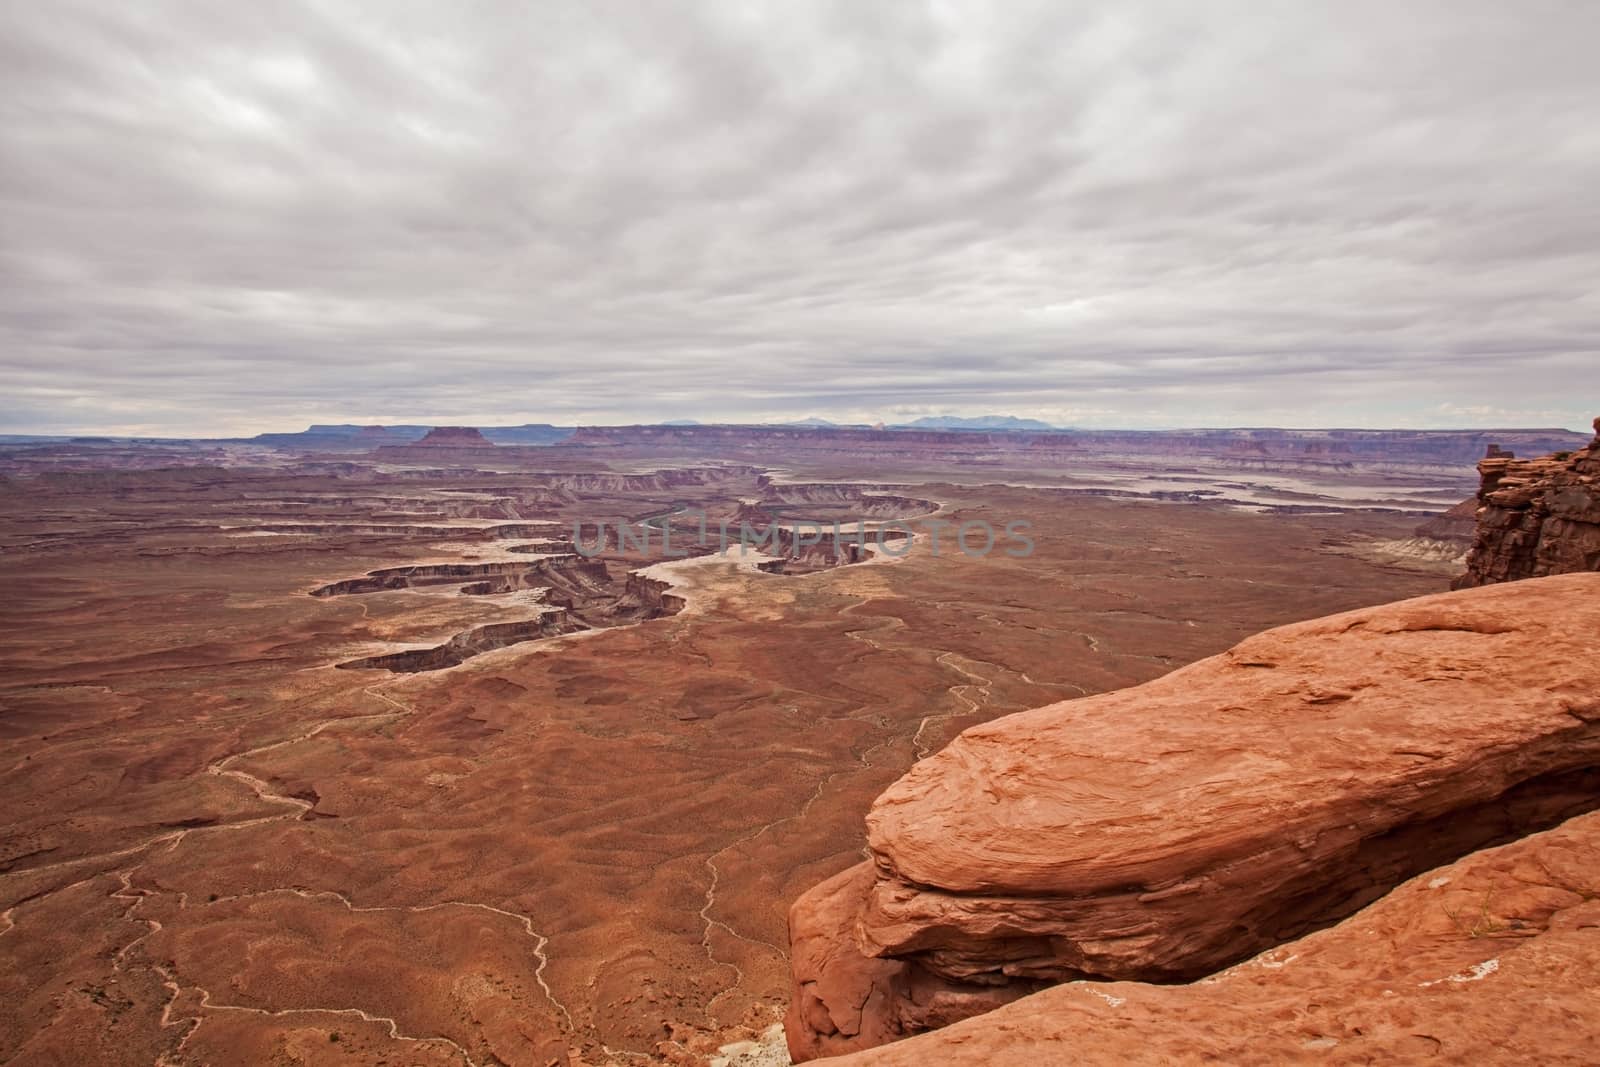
1537	516
1163	832
1494	959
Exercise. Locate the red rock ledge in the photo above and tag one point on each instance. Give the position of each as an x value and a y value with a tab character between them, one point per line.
1492	960
1163	832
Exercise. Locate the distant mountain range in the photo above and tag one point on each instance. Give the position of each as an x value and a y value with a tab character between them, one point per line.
354	437
976	422
988	423
348	436
344	437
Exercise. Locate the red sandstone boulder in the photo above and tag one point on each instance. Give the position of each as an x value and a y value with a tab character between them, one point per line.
1494	959
854	1001
1166	831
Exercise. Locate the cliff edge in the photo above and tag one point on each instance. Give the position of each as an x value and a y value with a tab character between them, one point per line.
1165	832
1490	960
1536	516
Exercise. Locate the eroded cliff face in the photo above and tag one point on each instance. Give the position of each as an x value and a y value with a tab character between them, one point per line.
1164	832
1536	516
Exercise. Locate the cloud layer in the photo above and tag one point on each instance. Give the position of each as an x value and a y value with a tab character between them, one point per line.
231	217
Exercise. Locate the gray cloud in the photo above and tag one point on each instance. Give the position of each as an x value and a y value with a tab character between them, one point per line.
233	217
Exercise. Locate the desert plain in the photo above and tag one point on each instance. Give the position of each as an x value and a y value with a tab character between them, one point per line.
348	757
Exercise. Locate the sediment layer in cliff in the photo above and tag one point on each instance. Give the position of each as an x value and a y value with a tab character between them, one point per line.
1536	516
1493	959
1161	833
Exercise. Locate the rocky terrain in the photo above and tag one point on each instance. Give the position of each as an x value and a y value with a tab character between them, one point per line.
227	840
1537	516
1079	890
1163	832
1487	960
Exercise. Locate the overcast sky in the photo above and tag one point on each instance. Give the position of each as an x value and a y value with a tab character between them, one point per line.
221	217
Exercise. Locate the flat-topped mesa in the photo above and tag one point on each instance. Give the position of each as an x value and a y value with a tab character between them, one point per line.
1163	832
1536	516
454	437
452	446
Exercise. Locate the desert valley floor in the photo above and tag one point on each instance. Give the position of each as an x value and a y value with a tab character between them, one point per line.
499	804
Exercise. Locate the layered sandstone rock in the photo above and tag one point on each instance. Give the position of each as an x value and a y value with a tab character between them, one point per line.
1494	959
1537	516
1163	832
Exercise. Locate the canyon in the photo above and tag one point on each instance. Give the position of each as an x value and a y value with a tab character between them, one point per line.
1261	795
347	755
